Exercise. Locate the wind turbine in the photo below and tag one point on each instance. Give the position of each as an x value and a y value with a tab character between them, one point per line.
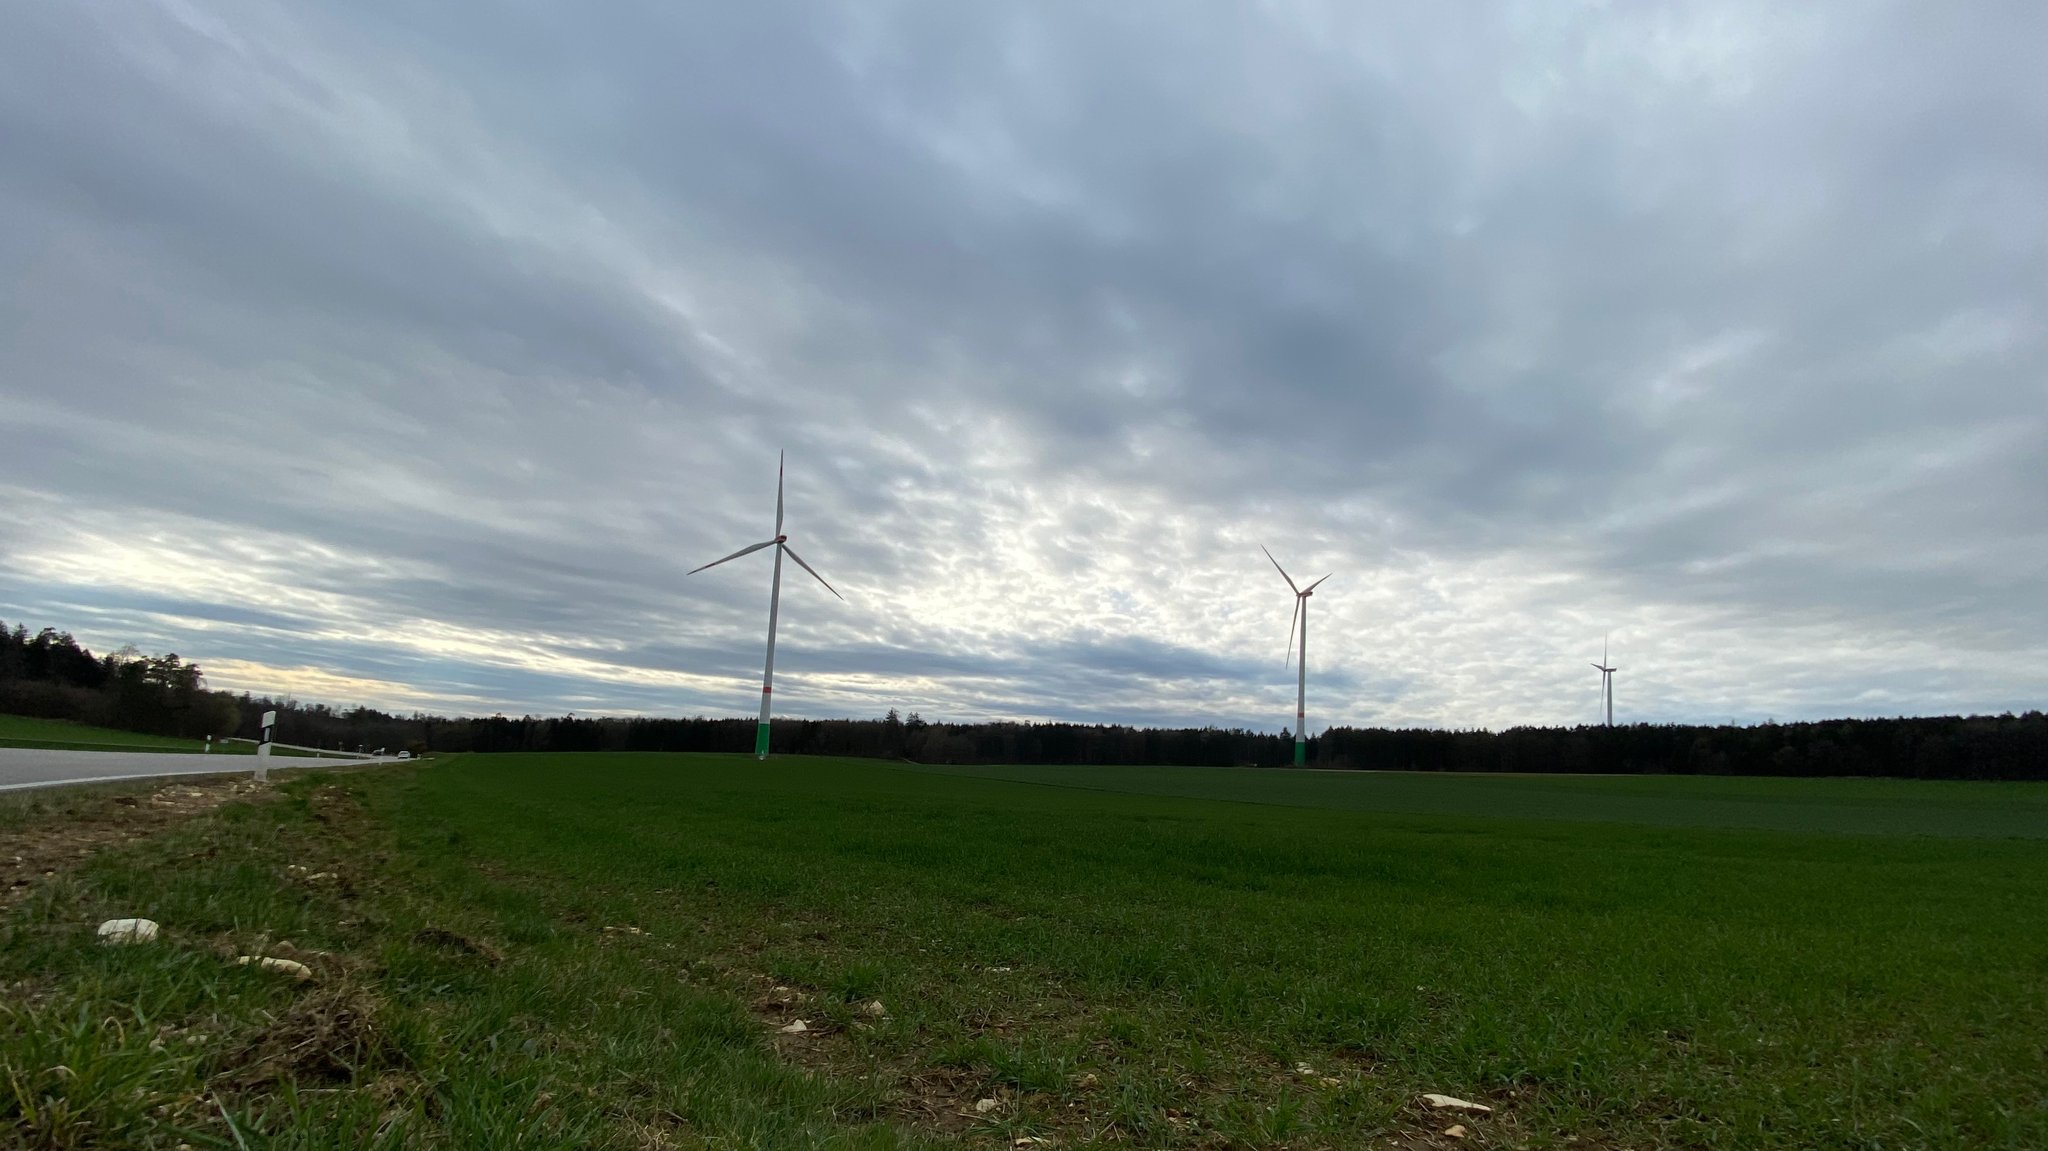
1606	681
1300	616
781	545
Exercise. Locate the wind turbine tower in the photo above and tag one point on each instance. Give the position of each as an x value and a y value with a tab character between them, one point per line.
1300	617
1606	682
781	545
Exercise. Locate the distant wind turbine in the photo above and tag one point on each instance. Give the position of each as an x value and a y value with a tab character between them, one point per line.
1606	681
1300	617
781	545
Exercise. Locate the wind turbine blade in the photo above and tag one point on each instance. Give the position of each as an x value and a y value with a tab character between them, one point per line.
791	552
1312	586
1281	570
734	556
778	492
1292	619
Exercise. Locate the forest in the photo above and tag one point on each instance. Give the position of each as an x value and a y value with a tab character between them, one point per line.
48	674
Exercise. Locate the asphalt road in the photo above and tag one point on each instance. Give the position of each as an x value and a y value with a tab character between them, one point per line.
32	767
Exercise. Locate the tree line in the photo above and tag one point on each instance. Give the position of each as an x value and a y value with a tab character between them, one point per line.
1942	747
49	674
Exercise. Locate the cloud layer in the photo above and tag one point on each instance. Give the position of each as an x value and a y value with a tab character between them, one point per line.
388	356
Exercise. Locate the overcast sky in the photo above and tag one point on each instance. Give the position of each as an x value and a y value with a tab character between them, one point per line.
400	354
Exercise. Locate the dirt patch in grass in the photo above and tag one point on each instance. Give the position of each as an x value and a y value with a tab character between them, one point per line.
915	1092
961	1094
328	1035
338	855
442	939
70	832
919	1088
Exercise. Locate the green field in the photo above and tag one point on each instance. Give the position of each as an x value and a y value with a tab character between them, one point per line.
61	734
1858	806
64	735
597	950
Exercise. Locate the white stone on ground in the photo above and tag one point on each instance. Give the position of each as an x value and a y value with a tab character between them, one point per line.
291	967
1453	1103
128	930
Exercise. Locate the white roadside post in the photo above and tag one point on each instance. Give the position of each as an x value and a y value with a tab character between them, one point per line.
263	748
209	745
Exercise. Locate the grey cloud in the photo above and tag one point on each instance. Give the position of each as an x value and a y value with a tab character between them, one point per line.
1727	313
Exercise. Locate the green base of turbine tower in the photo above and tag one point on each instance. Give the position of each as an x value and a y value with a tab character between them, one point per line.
1300	753
761	742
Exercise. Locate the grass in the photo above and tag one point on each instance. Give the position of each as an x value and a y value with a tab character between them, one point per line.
570	951
1865	806
62	734
33	807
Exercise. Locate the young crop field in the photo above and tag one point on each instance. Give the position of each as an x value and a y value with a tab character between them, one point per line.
1866	806
26	731
613	951
64	735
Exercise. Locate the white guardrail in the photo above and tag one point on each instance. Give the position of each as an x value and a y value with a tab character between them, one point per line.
320	751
